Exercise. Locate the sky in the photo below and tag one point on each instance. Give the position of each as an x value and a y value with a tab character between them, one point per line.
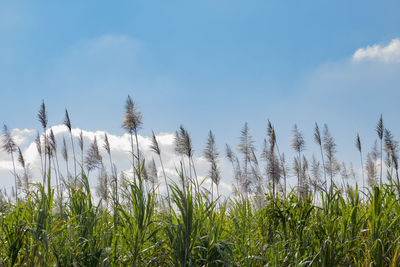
206	65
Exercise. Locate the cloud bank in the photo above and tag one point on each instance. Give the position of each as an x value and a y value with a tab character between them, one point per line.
120	149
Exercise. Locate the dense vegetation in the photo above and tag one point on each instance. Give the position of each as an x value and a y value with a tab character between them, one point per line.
320	222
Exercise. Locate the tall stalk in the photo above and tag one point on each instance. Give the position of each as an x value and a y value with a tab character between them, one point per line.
137	150
156	149
298	145
42	117
391	146
64	153
272	134
133	157
211	154
67	123
359	148
330	150
81	147
15	177
132	123
318	140
107	148
379	131
246	145
183	145
39	150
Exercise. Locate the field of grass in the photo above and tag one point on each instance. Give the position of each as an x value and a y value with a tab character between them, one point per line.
323	221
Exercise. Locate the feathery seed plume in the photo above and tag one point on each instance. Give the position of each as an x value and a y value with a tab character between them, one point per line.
21	159
379	128
81	140
317	135
298	143
52	139
106	144
358	143
8	145
154	144
64	151
67	121
133	117
42	115
93	157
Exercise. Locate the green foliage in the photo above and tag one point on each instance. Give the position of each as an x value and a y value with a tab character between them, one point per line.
337	230
137	224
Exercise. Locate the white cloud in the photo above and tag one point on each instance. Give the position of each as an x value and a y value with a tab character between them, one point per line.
120	147
22	136
386	54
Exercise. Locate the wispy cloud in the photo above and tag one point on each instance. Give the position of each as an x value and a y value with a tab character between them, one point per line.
387	54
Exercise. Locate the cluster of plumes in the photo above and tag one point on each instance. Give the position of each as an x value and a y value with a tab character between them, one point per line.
247	171
314	175
92	159
21	180
184	148
46	146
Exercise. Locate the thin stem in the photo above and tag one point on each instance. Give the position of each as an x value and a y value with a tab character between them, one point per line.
56	173
212	190
381	163
66	164
299	182
195	174
41	163
362	170
323	167
58	170
165	177
45	158
133	156
15	177
137	149
282	164
73	151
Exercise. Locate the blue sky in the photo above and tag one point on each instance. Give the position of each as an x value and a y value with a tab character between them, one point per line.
203	64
